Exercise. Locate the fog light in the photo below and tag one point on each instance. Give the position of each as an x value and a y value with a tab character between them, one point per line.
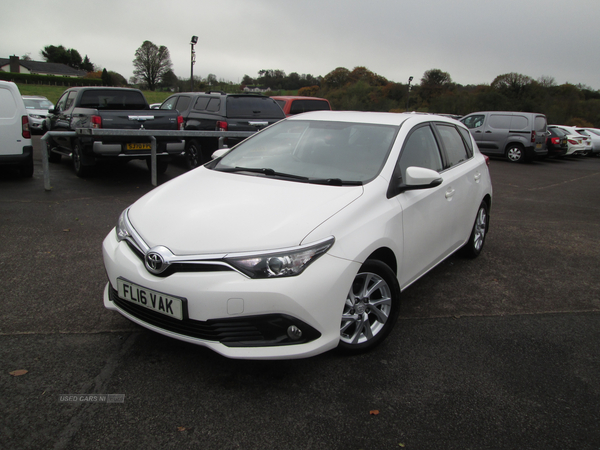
294	332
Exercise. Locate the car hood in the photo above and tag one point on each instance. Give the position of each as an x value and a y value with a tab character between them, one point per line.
211	212
39	112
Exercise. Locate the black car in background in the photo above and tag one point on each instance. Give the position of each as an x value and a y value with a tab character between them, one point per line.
218	111
556	142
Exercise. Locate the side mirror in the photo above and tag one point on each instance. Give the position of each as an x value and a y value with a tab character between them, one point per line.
218	153
415	178
421	178
54	110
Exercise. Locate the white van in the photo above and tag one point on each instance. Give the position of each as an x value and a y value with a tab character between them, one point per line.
15	138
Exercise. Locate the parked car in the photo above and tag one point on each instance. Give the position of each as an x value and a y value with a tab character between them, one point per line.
587	141
312	230
113	108
15	137
594	135
557	142
37	108
576	141
292	105
218	111
517	136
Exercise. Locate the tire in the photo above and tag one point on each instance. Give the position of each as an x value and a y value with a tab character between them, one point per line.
474	245
26	168
371	308
193	154
515	153
81	170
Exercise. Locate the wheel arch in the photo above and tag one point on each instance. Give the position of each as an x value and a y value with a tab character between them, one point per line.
386	256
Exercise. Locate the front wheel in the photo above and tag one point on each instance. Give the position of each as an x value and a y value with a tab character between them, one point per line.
371	308
474	245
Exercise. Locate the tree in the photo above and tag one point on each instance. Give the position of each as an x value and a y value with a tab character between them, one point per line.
434	83
151	63
106	78
70	57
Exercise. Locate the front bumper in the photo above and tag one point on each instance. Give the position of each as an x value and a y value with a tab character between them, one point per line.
236	316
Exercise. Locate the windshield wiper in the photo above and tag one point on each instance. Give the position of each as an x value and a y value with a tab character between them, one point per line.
265	171
335	182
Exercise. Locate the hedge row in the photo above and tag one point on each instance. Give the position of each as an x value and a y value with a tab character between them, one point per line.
49	80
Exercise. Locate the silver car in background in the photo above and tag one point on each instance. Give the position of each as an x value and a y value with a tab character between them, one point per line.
37	108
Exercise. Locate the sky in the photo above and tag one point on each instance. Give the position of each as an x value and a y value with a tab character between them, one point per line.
472	40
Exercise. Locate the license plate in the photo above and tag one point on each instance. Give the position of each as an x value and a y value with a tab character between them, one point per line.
156	301
538	145
138	146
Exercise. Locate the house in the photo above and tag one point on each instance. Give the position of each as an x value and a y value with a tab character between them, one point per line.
258	89
14	64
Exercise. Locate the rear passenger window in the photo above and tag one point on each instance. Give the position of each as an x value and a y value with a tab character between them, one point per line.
201	103
420	150
183	103
519	123
453	144
214	105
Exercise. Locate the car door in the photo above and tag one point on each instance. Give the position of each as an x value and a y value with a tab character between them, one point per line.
427	216
61	119
462	174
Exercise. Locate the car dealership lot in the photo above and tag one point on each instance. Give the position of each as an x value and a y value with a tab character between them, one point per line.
497	352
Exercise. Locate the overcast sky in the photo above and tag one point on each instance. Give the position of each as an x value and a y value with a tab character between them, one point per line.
473	40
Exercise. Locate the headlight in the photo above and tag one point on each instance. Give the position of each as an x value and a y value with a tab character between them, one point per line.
284	263
122	227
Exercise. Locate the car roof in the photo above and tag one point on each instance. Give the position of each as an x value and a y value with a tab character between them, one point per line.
296	97
383	118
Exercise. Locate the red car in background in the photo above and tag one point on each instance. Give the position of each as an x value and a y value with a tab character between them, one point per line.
292	105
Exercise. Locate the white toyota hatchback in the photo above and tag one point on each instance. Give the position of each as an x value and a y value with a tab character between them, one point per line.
301	238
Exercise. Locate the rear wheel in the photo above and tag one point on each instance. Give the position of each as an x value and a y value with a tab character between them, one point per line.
515	153
474	245
193	154
371	308
81	170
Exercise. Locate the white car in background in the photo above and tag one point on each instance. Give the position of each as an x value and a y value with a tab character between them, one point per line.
578	144
37	108
594	135
313	228
587	141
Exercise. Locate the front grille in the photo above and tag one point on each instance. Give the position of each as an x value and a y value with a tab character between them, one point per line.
253	331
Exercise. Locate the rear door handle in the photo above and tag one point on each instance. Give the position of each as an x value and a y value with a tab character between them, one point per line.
449	193
477	176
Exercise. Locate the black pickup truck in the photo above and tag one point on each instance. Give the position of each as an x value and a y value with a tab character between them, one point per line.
218	111
110	108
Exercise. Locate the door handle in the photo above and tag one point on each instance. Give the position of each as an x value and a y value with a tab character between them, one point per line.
488	132
449	193
477	176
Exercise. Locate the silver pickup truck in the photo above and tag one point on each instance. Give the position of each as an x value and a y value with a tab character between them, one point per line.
110	108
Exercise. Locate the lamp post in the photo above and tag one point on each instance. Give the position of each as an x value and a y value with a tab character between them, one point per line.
408	93
193	42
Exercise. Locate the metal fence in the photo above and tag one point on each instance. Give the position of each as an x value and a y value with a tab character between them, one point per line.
152	134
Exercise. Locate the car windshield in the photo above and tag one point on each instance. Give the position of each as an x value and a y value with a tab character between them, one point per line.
314	151
37	103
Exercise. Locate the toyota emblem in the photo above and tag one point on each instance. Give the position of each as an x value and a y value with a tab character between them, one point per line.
155	263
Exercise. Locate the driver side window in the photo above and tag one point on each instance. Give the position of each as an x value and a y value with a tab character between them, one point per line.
420	150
